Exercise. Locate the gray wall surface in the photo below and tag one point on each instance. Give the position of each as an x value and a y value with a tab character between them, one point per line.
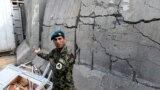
32	22
117	41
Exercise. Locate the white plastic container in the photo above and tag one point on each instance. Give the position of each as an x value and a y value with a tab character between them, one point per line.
10	73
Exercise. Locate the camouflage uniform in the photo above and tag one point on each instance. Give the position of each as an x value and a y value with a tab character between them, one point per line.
62	77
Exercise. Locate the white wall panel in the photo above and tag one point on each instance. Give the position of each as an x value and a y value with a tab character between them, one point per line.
7	40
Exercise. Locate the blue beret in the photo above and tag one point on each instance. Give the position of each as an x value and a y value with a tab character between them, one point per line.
57	34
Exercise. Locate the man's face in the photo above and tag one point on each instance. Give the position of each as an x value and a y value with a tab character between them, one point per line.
59	42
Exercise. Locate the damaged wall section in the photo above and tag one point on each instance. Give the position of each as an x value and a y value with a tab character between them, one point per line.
120	38
116	40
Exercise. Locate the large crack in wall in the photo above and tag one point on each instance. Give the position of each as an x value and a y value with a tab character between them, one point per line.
119	58
106	27
119	19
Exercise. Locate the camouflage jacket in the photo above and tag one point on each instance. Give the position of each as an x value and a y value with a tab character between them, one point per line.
62	66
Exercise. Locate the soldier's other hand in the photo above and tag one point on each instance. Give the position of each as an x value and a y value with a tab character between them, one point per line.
37	50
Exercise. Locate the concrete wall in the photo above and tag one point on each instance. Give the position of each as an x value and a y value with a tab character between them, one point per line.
118	40
32	27
60	14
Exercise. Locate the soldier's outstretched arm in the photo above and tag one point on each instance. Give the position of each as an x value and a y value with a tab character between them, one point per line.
39	52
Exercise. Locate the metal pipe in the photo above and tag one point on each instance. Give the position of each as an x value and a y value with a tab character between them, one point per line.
50	73
46	70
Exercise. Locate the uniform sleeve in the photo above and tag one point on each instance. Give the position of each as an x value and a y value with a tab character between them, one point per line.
71	59
67	60
45	56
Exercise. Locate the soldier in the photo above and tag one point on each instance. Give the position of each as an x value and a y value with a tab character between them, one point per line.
61	60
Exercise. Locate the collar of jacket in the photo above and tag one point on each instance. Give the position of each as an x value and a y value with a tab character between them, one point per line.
63	49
